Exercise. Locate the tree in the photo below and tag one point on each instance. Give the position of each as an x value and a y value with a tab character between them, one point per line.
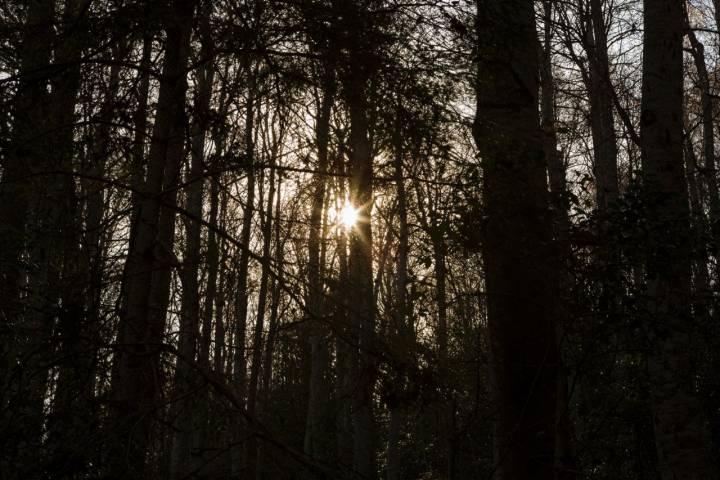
671	325
137	372
517	245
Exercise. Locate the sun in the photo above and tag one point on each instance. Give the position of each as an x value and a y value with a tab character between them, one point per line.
348	216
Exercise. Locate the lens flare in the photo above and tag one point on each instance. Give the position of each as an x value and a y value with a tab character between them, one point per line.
348	216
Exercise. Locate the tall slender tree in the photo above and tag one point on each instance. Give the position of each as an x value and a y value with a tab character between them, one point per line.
317	417
138	375
360	257
188	346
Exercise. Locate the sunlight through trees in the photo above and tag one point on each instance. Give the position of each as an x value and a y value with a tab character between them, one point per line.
359	239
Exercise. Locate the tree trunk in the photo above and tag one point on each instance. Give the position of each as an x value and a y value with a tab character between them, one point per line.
681	432
22	370
72	422
519	254
343	334
213	306
360	279
716	14
187	419
709	172
219	200
252	446
137	375
699	229
402	329
602	122
140	126
316	429
225	281
240	363
564	455
276	290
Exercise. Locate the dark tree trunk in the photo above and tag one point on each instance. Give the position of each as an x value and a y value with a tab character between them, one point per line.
73	421
257	350
241	304
275	299
402	329
681	432
24	356
343	346
26	156
26	150
699	228
518	247
708	170
187	419
360	278
360	63
316	429
602	122
140	126
564	454
137	375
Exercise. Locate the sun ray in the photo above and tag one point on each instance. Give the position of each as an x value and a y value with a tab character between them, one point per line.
348	216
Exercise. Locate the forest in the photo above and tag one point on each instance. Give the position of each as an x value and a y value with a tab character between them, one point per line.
359	239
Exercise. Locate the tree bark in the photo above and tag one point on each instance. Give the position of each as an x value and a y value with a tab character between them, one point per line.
275	299
360	278
519	255
681	432
24	357
187	419
26	150
252	446
213	306
699	228
564	455
356	30
343	334
709	169
72	424
316	428
602	122
241	305
402	330
137	375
